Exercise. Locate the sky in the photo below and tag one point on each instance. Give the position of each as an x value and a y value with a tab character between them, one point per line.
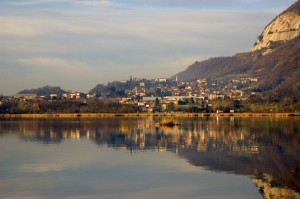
77	44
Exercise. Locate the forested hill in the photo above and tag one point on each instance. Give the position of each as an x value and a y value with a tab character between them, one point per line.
46	91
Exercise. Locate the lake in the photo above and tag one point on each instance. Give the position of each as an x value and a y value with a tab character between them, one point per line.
128	158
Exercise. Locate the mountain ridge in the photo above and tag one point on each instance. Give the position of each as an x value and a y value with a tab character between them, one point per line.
278	68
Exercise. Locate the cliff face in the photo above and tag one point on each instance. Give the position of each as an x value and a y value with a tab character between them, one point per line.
283	28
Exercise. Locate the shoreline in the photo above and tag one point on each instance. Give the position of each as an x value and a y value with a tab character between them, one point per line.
112	115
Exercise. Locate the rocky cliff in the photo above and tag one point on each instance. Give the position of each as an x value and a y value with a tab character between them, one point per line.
283	28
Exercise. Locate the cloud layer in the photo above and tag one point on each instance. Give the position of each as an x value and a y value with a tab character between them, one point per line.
79	43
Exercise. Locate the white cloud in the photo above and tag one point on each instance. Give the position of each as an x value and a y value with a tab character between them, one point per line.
20	27
98	3
153	3
42	168
30	2
60	67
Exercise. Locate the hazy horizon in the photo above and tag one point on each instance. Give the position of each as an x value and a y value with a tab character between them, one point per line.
77	44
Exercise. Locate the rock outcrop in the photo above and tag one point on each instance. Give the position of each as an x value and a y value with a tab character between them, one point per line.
283	28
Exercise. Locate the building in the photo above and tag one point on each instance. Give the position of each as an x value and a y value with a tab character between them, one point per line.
25	96
161	80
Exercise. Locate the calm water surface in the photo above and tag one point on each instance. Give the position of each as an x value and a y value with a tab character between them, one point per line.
122	158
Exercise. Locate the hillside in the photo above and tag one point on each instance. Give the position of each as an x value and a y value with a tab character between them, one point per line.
278	68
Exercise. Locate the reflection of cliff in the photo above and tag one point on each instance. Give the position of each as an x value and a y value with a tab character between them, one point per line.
277	145
256	147
269	190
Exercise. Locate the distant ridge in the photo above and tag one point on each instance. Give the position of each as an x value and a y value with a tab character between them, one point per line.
46	90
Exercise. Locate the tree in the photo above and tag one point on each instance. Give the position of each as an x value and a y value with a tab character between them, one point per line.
156	102
158	92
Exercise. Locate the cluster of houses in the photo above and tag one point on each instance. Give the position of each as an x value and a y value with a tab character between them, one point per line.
163	94
54	96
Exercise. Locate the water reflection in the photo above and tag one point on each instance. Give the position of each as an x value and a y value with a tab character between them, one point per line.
267	149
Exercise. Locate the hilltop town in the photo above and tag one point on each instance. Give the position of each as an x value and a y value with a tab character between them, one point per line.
143	95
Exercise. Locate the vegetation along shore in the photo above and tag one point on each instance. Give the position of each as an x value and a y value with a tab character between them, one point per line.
101	115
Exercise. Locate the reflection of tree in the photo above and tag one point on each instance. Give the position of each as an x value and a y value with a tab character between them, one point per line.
257	147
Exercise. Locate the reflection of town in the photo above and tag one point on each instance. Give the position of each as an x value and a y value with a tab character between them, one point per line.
142	134
266	150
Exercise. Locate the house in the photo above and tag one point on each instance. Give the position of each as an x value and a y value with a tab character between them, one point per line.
253	79
93	95
53	95
25	96
150	99
70	95
161	80
216	96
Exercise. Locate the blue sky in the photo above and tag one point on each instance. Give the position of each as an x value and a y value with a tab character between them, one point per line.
77	44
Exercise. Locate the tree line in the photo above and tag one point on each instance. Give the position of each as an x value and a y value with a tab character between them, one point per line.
65	106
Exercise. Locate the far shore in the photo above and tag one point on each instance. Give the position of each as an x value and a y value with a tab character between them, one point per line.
112	115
